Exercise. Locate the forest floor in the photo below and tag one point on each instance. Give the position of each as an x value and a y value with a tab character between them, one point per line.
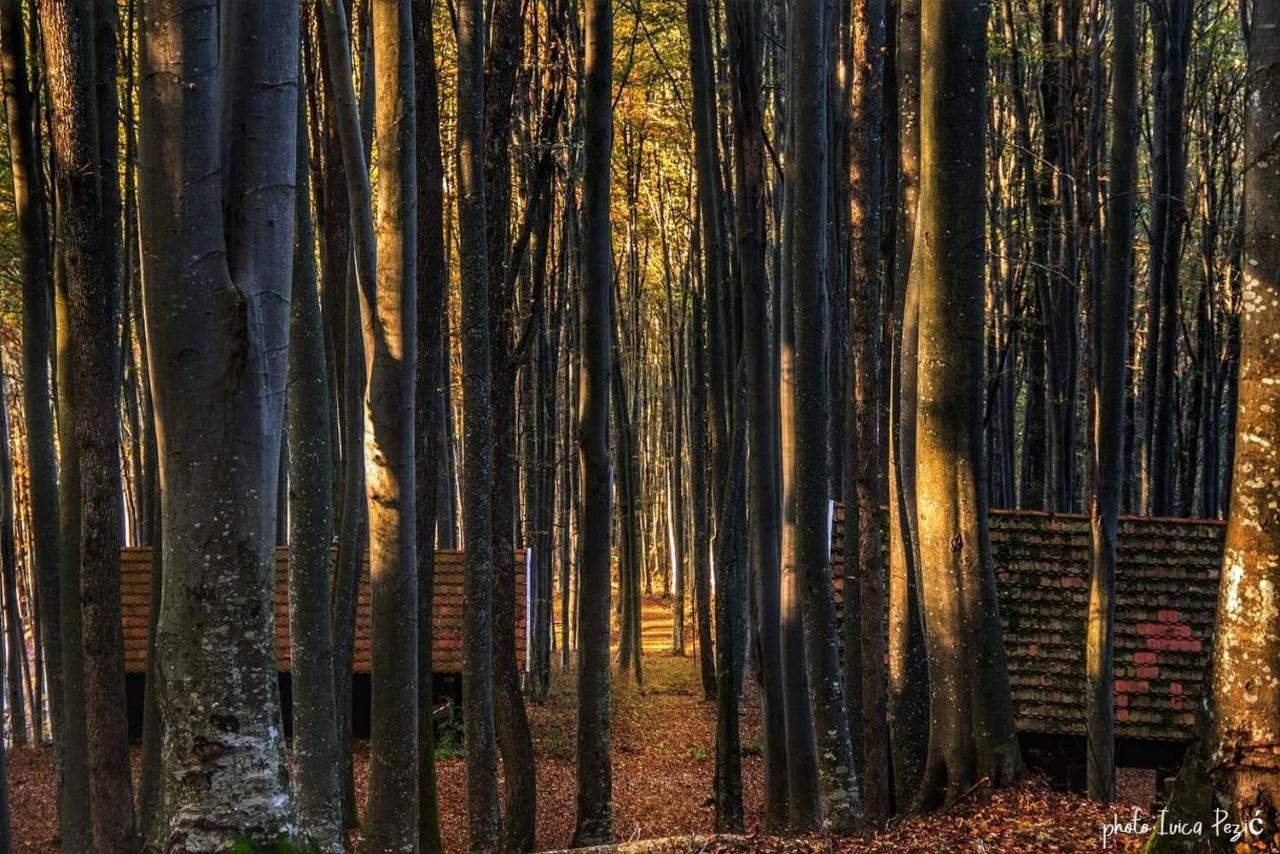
663	738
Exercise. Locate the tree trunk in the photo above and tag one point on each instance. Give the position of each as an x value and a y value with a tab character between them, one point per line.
91	281
762	414
1234	765
432	374
1111	317
315	741
14	643
595	804
388	315
217	335
485	822
806	458
864	629
908	704
971	733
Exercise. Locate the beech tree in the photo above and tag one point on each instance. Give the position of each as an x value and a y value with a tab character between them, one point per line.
484	819
217	297
594	825
971	733
1111	323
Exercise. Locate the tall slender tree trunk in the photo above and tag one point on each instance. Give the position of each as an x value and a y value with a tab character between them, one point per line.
1111	318
87	243
971	733
485	821
595	801
864	628
433	374
217	335
388	313
315	740
762	402
807	458
14	642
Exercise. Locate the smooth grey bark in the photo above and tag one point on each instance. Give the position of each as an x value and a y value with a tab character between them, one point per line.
594	823
806	457
1111	318
216	296
388	315
34	263
432	374
1233	765
484	818
90	281
762	403
971	734
316	789
699	547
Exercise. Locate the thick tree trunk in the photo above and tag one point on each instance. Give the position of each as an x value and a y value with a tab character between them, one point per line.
595	803
700	499
87	243
1234	766
971	733
432	374
484	819
315	741
217	334
1111	317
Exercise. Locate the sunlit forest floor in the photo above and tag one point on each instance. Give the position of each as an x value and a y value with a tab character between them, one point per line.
663	756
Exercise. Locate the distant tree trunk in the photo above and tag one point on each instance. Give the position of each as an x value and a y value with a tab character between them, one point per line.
33	259
14	642
1173	28
762	403
217	335
388	313
315	740
595	803
87	244
1111	318
908	703
1233	764
971	733
806	458
864	629
485	821
432	374
6	832
700	499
